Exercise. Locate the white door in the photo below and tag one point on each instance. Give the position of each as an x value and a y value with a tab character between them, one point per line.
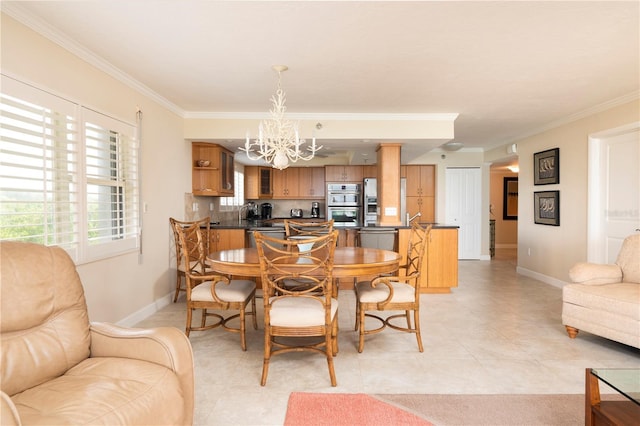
614	191
463	208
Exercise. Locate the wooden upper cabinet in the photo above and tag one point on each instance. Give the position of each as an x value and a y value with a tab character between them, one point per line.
311	182
421	190
343	174
285	182
215	178
258	182
421	180
299	183
369	171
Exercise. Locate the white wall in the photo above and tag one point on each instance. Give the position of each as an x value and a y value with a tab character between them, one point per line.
122	286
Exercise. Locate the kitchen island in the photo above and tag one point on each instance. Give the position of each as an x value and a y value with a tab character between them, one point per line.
439	271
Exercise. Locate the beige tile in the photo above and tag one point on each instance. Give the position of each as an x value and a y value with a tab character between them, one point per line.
498	332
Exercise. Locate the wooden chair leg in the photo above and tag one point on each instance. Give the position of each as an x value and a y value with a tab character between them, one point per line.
189	316
416	320
361	332
267	356
243	329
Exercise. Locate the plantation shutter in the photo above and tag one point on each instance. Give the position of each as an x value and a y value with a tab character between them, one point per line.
38	167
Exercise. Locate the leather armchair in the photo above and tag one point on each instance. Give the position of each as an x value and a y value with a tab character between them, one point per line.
58	368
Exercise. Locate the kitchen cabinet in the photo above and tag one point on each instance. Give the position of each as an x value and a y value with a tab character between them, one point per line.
299	183
258	182
439	271
226	239
285	183
421	190
351	174
370	171
216	177
311	182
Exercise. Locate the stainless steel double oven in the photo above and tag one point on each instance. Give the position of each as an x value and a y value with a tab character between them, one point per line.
344	203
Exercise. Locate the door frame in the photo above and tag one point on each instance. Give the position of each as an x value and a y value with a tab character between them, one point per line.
596	189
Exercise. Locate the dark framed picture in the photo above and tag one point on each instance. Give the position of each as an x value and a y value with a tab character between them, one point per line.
547	207
546	167
510	199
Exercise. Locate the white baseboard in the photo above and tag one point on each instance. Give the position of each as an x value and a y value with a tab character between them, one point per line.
145	312
540	277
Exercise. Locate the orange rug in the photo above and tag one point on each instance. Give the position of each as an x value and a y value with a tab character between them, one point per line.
335	409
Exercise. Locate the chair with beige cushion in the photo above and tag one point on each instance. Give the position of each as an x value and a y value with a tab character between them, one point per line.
394	293
298	319
207	290
605	299
58	368
294	228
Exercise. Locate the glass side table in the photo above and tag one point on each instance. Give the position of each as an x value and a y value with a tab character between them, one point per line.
621	411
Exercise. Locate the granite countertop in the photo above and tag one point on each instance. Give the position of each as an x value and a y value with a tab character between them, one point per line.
279	223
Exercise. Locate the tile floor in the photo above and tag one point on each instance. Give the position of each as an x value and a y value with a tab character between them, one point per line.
498	332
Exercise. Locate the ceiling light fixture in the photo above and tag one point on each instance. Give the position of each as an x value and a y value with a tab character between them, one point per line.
278	141
452	146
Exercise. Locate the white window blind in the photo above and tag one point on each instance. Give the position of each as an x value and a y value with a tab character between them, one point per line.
68	175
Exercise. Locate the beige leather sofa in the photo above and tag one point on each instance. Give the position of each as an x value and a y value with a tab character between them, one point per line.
57	368
605	299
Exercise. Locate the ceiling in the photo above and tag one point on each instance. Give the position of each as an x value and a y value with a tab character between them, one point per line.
508	69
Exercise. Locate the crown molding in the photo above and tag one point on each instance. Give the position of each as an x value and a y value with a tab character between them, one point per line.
38	25
629	97
323	116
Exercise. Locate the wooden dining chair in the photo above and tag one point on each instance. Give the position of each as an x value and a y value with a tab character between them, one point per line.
207	290
400	292
204	224
294	228
293	314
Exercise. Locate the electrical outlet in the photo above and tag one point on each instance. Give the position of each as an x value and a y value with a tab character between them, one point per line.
529	251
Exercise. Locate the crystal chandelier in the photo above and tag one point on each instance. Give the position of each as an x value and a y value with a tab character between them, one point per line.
278	141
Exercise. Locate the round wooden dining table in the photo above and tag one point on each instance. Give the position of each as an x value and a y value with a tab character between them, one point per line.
347	262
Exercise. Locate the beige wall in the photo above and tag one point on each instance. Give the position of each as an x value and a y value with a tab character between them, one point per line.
547	252
124	285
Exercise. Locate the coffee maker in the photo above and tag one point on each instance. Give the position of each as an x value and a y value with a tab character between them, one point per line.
265	210
315	209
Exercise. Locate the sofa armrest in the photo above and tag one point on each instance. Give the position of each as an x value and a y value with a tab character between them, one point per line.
166	346
8	411
595	273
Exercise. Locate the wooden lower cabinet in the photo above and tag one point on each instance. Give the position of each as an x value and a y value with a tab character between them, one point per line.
226	239
440	266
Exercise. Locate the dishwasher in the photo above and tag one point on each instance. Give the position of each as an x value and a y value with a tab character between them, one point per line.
380	238
275	232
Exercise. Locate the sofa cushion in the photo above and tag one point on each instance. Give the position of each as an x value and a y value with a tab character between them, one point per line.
105	391
621	298
629	259
44	322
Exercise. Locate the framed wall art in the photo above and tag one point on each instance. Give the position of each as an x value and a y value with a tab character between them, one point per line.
546	167
510	199
546	206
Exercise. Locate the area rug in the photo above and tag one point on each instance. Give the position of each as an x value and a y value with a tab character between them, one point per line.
337	409
434	409
494	410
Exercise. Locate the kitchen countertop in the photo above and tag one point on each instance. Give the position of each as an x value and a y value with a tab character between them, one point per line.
278	222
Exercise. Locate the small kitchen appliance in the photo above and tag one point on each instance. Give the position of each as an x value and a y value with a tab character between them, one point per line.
265	210
315	209
252	210
296	213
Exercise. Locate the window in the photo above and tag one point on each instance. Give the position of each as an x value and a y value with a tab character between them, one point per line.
69	175
238	199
